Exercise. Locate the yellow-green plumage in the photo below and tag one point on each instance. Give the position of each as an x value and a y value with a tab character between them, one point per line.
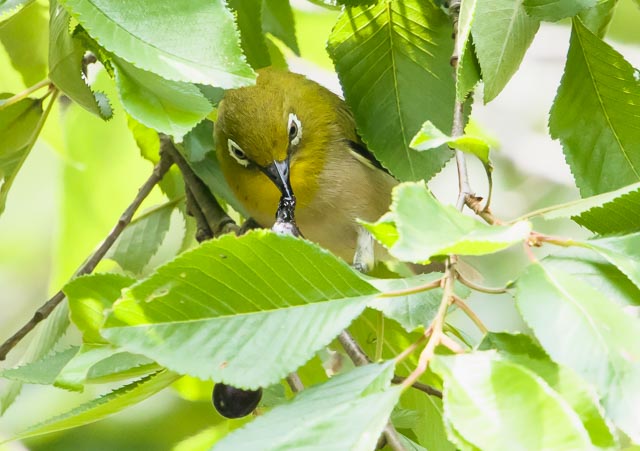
332	184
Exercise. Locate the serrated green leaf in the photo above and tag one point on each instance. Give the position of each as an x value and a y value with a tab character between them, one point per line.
597	18
598	94
468	69
580	328
25	38
277	19
347	412
9	8
103	406
142	238
430	137
144	34
43	371
429	429
497	404
554	10
102	363
449	231
217	310
89	296
522	349
171	107
18	124
65	65
613	212
379	52
597	272
622	251
502	32
249	19
415	310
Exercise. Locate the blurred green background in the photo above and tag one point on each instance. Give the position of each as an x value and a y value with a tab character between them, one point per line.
83	172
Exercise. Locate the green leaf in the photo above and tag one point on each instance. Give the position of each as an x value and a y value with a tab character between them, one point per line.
429	428
89	296
249	19
580	328
522	349
622	251
234	294
171	107
379	52
347	412
18	124
597	272
142	238
103	406
449	231
415	310
25	38
65	65
43	371
613	212
497	404
597	18
468	69
277	19
554	10
145	34
598	94
502	32
430	137
9	8
105	362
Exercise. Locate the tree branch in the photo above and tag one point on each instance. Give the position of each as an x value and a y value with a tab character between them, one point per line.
89	265
26	93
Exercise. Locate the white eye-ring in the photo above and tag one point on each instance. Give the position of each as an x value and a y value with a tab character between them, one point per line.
294	128
237	153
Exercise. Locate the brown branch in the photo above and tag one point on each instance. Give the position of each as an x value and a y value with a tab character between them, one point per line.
45	310
217	220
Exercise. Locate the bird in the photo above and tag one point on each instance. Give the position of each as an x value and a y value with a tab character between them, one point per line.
288	136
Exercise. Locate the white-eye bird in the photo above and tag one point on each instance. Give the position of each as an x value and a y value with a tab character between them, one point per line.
288	135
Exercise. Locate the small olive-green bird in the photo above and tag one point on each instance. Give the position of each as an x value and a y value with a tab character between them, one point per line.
288	135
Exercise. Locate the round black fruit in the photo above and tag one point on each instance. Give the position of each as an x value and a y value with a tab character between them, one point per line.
232	402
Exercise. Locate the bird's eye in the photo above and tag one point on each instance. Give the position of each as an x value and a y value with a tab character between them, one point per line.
295	129
237	153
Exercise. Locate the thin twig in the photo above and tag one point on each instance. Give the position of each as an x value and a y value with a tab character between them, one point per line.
89	265
470	313
413	346
448	342
428	389
412	290
217	219
481	288
21	95
296	385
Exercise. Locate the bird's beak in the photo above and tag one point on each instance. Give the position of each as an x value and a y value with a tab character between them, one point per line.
278	173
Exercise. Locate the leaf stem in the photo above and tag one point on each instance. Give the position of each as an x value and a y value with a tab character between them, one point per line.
481	288
470	313
21	95
412	290
89	265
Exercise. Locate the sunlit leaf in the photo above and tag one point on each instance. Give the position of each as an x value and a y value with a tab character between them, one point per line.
277	19
554	10
598	94
171	107
598	17
10	7
468	69
103	406
449	231
18	123
217	310
249	19
379	52
502	32
347	412
145	34
429	137
622	251
580	328
496	404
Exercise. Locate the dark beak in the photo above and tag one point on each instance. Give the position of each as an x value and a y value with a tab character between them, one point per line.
278	173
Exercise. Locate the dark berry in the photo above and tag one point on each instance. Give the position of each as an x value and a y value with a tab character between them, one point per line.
232	402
